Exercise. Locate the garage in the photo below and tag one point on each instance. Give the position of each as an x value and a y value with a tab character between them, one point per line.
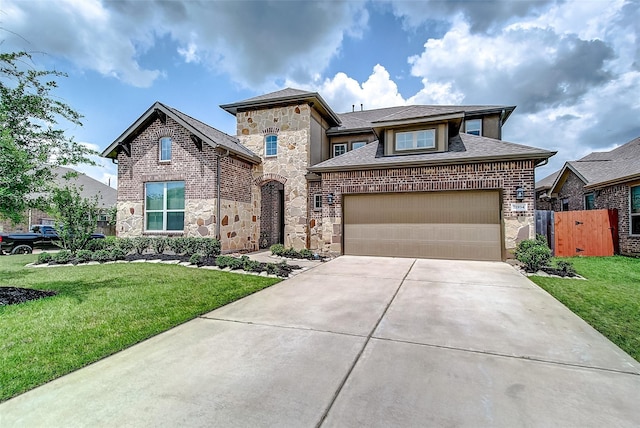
462	225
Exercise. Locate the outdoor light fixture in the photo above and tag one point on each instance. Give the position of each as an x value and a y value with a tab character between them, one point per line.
519	194
330	198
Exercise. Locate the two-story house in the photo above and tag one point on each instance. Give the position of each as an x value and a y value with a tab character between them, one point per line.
413	181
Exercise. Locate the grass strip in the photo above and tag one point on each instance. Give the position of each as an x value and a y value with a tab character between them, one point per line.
609	300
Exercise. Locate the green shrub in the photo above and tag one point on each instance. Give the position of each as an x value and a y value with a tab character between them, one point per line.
177	244
228	261
140	244
306	254
44	258
566	267
102	256
83	256
196	259
533	253
63	257
252	265
118	254
192	245
210	247
125	244
271	268
159	244
277	249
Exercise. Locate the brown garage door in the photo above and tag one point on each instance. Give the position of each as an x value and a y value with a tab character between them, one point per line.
461	225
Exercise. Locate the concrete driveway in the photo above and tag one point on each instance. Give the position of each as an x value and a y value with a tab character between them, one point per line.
360	341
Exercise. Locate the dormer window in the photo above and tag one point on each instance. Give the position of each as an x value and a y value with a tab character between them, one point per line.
339	149
271	145
473	127
415	140
165	149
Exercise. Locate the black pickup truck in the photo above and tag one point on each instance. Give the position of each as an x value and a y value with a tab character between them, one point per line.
41	237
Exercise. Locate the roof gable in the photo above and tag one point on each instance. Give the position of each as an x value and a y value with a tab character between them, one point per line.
199	131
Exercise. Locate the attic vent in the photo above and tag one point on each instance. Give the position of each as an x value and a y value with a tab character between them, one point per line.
271	130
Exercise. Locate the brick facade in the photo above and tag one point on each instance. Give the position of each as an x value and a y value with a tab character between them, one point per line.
198	169
573	190
503	176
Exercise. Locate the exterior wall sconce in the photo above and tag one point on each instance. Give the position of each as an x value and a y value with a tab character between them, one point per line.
519	194
330	198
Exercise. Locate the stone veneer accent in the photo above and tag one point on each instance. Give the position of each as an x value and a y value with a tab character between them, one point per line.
504	176
292	126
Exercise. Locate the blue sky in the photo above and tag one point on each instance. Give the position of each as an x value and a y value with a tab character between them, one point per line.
572	67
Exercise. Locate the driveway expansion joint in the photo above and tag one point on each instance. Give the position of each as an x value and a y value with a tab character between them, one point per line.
517	357
288	327
364	346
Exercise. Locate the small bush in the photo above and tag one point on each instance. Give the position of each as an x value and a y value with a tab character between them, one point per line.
192	245
159	244
566	267
196	259
102	256
44	258
118	254
271	268
177	244
63	257
228	261
533	253
252	265
125	244
306	254
210	247
140	244
277	249
84	256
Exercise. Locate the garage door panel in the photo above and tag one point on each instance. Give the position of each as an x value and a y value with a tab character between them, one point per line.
452	225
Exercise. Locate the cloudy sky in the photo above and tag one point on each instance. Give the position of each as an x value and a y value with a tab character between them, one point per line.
571	67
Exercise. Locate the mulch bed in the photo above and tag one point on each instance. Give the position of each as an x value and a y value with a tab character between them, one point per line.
15	295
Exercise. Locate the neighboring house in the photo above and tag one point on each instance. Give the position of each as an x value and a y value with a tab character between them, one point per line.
600	180
400	181
89	188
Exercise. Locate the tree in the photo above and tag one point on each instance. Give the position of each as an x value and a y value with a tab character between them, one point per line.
31	143
76	217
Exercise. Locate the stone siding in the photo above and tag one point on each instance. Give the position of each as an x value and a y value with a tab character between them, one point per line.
504	176
292	126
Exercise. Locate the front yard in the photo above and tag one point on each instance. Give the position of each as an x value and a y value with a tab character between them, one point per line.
99	310
609	300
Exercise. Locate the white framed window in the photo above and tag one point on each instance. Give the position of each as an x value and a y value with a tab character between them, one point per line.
165	149
634	210
339	149
473	126
317	202
358	144
412	140
589	201
164	206
271	145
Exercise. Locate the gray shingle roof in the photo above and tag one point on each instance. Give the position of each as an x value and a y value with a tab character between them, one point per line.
547	182
220	138
366	119
107	195
283	93
463	148
601	168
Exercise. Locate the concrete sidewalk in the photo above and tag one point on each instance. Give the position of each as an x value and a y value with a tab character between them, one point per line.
360	341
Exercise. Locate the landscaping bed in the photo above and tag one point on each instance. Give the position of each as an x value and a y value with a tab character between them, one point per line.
15	295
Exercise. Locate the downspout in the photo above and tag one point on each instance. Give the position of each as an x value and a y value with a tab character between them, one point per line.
218	196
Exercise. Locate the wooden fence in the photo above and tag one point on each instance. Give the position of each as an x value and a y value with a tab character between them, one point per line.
545	227
586	233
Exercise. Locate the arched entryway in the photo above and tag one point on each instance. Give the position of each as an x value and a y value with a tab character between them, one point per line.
271	214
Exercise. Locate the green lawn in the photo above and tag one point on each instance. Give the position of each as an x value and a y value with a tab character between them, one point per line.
609	300
99	310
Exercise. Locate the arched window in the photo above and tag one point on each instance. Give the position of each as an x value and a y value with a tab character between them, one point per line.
165	149
271	145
